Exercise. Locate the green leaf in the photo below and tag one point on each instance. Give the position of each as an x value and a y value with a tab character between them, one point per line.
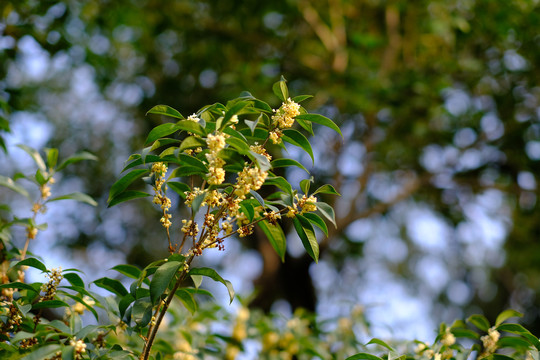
191	126
518	329
513	342
240	145
280	182
277	163
49	304
197	280
280	89
87	330
479	321
40	353
275	235
197	202
160	131
257	197
234	110
319	119
212	274
317	221
80	156
40	177
306	184
505	315
381	343
300	98
296	138
77	196
187	299
363	356
74	279
19	285
307	235
165	110
179	187
327	211
128	270
10	184
192	161
498	357
32	262
80	300
52	157
124	304
184	171
125	196
162	278
142	311
326	189
126	180
35	156
191	142
252	125
111	285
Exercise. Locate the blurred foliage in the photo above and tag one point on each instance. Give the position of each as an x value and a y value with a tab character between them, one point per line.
438	101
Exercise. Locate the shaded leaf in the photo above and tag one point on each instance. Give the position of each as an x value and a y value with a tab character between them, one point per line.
32	262
277	163
191	126
327	211
275	235
179	187
126	180
296	138
49	304
363	356
191	142
479	321
74	279
317	221
187	299
162	278
125	196
111	285
128	270
307	235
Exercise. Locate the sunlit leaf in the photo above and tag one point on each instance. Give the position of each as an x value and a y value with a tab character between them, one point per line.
326	189
317	221
505	315
35	156
212	274
10	184
363	356
77	196
165	110
80	156
32	262
320	119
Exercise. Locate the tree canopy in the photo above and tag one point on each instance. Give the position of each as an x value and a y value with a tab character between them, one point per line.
438	102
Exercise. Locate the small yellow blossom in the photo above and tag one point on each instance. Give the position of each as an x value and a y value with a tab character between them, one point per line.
448	338
194	118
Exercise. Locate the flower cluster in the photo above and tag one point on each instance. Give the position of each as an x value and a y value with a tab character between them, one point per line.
250	178
55	276
489	342
216	173
283	119
159	170
302	205
79	347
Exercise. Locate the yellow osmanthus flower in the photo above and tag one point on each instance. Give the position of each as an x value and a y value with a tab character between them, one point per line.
216	173
259	149
55	276
250	178
489	342
284	116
